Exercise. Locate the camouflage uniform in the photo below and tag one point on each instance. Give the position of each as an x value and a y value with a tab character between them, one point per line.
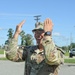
34	58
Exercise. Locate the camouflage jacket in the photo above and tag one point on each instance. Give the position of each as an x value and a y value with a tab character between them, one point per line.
34	58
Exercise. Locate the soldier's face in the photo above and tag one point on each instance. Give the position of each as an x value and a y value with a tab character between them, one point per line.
38	34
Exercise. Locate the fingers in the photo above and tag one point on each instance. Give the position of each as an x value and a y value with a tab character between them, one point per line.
48	25
21	23
48	21
19	26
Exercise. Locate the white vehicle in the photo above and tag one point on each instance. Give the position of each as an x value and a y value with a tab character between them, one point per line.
72	52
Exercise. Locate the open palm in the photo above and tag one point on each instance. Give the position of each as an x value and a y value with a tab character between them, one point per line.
48	25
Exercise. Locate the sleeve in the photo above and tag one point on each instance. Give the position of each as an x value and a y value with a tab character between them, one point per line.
53	55
13	52
49	47
48	43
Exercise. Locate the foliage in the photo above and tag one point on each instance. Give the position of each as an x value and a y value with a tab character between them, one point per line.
0	46
72	45
10	35
6	42
22	34
67	48
26	40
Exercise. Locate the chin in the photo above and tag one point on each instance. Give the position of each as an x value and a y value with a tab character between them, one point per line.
38	43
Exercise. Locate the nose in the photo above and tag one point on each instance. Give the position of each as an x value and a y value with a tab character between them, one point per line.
38	36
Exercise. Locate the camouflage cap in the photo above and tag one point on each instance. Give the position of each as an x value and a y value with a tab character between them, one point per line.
38	26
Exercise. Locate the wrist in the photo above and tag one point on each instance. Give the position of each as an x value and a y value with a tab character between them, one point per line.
48	33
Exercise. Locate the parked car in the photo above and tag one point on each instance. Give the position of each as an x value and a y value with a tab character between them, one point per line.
72	52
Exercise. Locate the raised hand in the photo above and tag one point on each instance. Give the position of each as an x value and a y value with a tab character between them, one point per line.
19	26
48	25
18	29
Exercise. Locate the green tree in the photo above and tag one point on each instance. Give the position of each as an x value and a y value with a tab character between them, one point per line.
10	35
72	45
69	47
0	47
6	42
22	34
27	39
64	48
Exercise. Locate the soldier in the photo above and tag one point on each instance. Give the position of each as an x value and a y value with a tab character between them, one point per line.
35	56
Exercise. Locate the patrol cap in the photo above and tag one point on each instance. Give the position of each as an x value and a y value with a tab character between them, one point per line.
38	26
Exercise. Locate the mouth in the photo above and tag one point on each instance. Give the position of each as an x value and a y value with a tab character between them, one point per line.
38	38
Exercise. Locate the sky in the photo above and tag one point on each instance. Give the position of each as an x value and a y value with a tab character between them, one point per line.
61	12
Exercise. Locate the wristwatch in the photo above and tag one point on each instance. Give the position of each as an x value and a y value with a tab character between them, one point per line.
48	33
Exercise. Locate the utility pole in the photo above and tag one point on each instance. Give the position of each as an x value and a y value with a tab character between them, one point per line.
37	18
71	40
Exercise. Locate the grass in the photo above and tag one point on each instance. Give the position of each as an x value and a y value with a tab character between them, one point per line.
67	54
65	60
68	60
72	60
1	51
3	58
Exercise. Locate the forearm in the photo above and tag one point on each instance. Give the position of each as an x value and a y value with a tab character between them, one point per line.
48	44
47	40
11	49
53	55
12	52
16	35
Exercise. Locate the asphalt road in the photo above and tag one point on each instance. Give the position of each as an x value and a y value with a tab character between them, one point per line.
67	69
17	68
11	68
